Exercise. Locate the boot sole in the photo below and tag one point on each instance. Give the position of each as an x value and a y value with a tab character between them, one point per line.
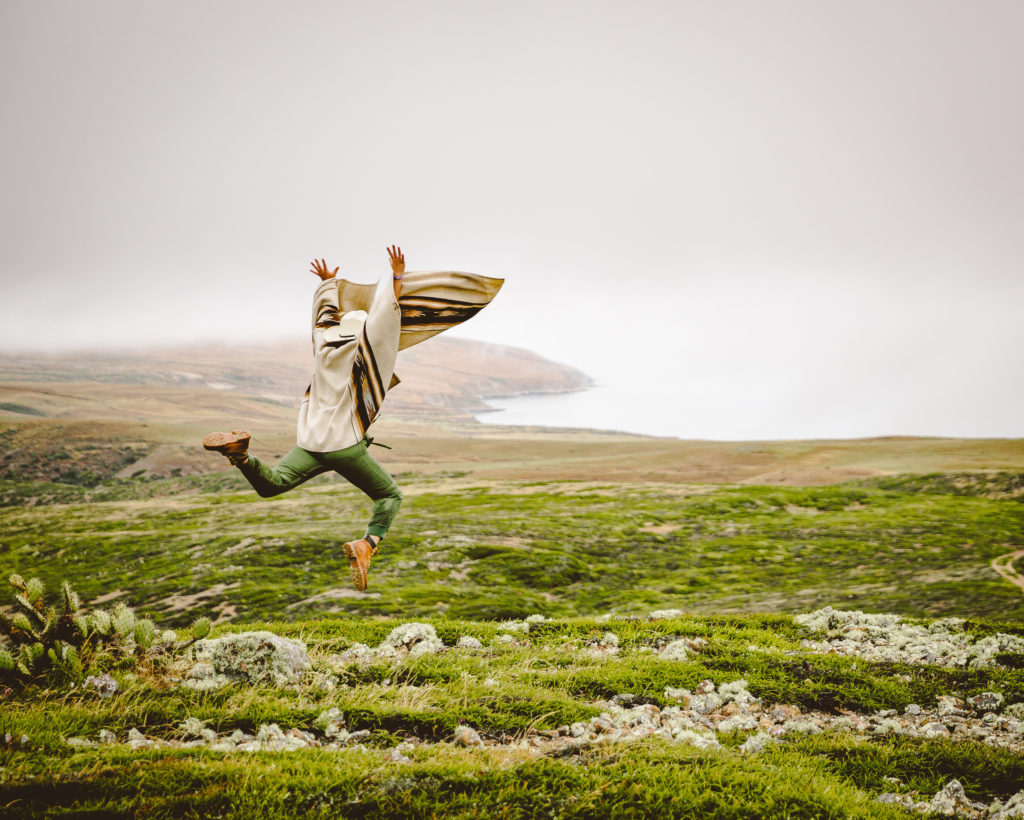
217	441
355	571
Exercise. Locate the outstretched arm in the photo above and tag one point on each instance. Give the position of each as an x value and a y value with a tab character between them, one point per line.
397	267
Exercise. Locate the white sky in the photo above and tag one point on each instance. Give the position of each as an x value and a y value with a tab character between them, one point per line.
806	216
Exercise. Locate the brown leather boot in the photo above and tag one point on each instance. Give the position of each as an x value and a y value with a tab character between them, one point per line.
235	445
359	554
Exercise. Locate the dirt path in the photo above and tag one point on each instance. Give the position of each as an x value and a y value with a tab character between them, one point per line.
1004	566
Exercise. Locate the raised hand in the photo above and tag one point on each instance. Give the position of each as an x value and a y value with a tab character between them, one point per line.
397	260
320	269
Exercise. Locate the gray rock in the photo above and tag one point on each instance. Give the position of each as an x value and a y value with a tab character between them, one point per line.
1014	807
951	801
934	729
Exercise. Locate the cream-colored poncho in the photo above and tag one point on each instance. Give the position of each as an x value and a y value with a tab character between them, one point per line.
353	373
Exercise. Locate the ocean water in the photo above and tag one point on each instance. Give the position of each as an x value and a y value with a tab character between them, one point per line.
602	407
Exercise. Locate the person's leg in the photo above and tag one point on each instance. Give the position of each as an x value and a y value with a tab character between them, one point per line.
358	467
297	466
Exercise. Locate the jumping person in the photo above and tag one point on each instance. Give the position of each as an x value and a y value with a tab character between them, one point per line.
357	333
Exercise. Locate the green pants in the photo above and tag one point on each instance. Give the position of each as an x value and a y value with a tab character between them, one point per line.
353	463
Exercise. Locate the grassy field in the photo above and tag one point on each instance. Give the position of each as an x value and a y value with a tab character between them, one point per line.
102	483
500	549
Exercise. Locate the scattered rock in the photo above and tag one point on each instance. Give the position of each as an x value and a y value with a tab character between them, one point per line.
885	637
105	685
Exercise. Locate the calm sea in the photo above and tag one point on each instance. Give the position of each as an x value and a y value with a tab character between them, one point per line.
598	408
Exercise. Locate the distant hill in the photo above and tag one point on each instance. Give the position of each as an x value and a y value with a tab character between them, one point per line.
82	416
451	375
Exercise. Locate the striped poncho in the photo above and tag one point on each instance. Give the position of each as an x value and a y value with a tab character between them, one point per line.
352	374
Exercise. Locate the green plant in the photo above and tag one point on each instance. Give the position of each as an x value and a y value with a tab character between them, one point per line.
60	639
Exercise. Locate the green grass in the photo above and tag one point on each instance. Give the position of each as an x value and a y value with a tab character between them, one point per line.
506	692
506	550
735	559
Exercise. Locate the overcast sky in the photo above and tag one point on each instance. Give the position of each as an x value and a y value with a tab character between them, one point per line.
769	219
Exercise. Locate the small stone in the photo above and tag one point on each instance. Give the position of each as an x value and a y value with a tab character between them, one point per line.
468	736
676	651
469	642
986	701
949	706
137	740
934	729
756	743
913	709
107	737
396	756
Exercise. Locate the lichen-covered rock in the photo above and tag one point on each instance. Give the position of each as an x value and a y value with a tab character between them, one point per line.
934	729
904	801
195	728
676	651
665	614
756	743
409	635
469	642
736	692
885	637
986	701
250	657
1015	710
951	801
1014	807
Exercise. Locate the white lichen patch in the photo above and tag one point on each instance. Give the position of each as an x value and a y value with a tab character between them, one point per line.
404	642
245	657
887	638
681	649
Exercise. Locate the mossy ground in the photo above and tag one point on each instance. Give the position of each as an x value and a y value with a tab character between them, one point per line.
180	547
464	553
506	691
